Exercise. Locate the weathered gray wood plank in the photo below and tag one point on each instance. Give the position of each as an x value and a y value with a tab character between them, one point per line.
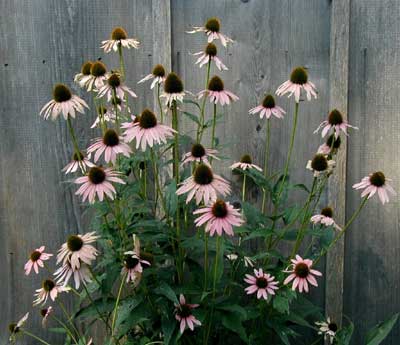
371	253
338	89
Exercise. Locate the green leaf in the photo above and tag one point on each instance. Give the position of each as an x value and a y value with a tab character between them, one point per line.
377	334
281	304
126	307
343	336
192	117
165	290
192	102
168	327
232	322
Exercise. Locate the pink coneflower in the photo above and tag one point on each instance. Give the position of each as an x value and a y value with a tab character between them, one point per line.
328	329
262	283
84	73
45	313
146	131
111	144
119	37
204	185
65	272
133	263
245	164
97	77
325	218
157	74
301	274
268	108
16	327
98	181
183	313
49	289
63	102
36	259
115	84
331	145
320	165
216	92
212	30
173	89
107	115
78	248
220	217
298	81
336	122
209	54
79	160
376	182
199	154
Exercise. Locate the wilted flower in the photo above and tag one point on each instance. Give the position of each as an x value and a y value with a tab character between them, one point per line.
115	84
320	164
199	154
298	81
98	182
78	248
204	185
268	108
216	92
301	274
210	54
79	160
16	327
219	217
376	183
146	130
325	218
336	122
111	144
49	289
63	102
36	259
248	262
119	38
107	115
328	329
331	145
45	313
262	283
245	164
81	274
212	30
158	76
183	313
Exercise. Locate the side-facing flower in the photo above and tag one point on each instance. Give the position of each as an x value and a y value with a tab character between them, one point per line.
245	163
183	313
77	249
219	217
328	329
336	122
36	259
111	144
325	218
115	84
301	273
248	262
331	145
84	73
63	102
49	289
204	185
98	182
45	313
79	160
212	30
119	37
216	92
199	154
268	108
321	164
298	81
81	274
106	115
262	283
376	183
173	89
97	77
157	74
14	328
146	131
209	54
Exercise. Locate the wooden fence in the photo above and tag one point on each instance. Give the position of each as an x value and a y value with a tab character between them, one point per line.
351	49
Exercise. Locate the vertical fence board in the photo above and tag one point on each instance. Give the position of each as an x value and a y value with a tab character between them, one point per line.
371	253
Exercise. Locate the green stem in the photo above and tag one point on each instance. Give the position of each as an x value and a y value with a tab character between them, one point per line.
121	61
63	325
214	124
244	188
95	306
159	103
157	182
35	337
114	96
69	318
116	305
74	141
216	265
200	128
205	260
267	141
342	232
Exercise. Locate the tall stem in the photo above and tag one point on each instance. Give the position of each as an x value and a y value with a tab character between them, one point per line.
203	106
244	188
214	124
95	306
116	304
121	61
114	96
205	260
159	103
69	318
74	141
267	140
63	325
29	334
